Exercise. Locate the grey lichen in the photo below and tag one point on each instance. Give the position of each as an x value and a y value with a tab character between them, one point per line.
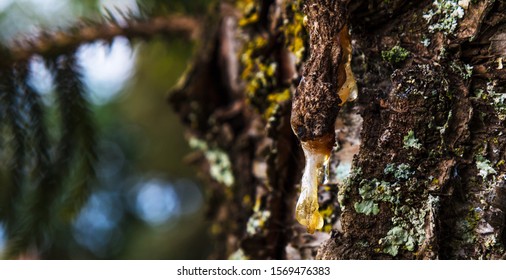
238	255
372	192
408	219
447	14
220	167
397	237
484	167
257	221
408	228
497	100
411	142
464	70
400	172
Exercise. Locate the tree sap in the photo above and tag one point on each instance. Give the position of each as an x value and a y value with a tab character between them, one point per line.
307	206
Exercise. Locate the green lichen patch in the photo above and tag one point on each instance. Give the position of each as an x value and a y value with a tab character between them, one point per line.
444	16
367	207
345	188
410	141
396	238
395	55
408	228
372	192
400	172
220	166
465	227
407	210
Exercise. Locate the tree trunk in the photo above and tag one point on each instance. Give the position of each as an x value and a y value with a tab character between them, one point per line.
425	139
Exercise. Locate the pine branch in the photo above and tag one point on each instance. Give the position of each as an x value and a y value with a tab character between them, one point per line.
70	77
29	225
37	130
78	138
53	44
75	152
14	119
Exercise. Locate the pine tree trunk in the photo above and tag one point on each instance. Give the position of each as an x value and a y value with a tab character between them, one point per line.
425	138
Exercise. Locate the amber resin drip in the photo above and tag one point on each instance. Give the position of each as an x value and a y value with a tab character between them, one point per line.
306	210
348	90
323	89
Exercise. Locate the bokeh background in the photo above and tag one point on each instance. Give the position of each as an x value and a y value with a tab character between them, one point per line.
147	202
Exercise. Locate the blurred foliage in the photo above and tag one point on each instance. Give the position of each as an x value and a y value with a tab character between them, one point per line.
159	66
194	7
140	146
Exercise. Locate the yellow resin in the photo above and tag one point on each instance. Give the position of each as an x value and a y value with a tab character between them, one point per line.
348	91
306	210
317	156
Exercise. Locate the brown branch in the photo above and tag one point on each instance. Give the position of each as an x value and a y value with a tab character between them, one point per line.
52	44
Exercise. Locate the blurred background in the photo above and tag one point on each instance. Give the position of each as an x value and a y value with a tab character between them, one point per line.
147	203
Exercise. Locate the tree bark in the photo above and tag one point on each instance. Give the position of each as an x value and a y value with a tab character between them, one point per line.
425	138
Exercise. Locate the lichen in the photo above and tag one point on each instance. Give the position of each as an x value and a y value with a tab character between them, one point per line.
497	100
464	70
372	192
411	142
408	216
395	55
256	222
238	255
397	237
327	214
249	9
259	64
401	172
484	167
220	166
408	227
446	14
345	188
294	30
465	227
274	100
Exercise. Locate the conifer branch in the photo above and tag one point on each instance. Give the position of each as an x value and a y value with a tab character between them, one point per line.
14	119
53	44
80	118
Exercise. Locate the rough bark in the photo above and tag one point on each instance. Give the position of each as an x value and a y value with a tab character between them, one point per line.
428	181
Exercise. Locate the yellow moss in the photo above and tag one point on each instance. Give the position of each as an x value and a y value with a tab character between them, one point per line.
257	71
249	9
274	99
293	29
